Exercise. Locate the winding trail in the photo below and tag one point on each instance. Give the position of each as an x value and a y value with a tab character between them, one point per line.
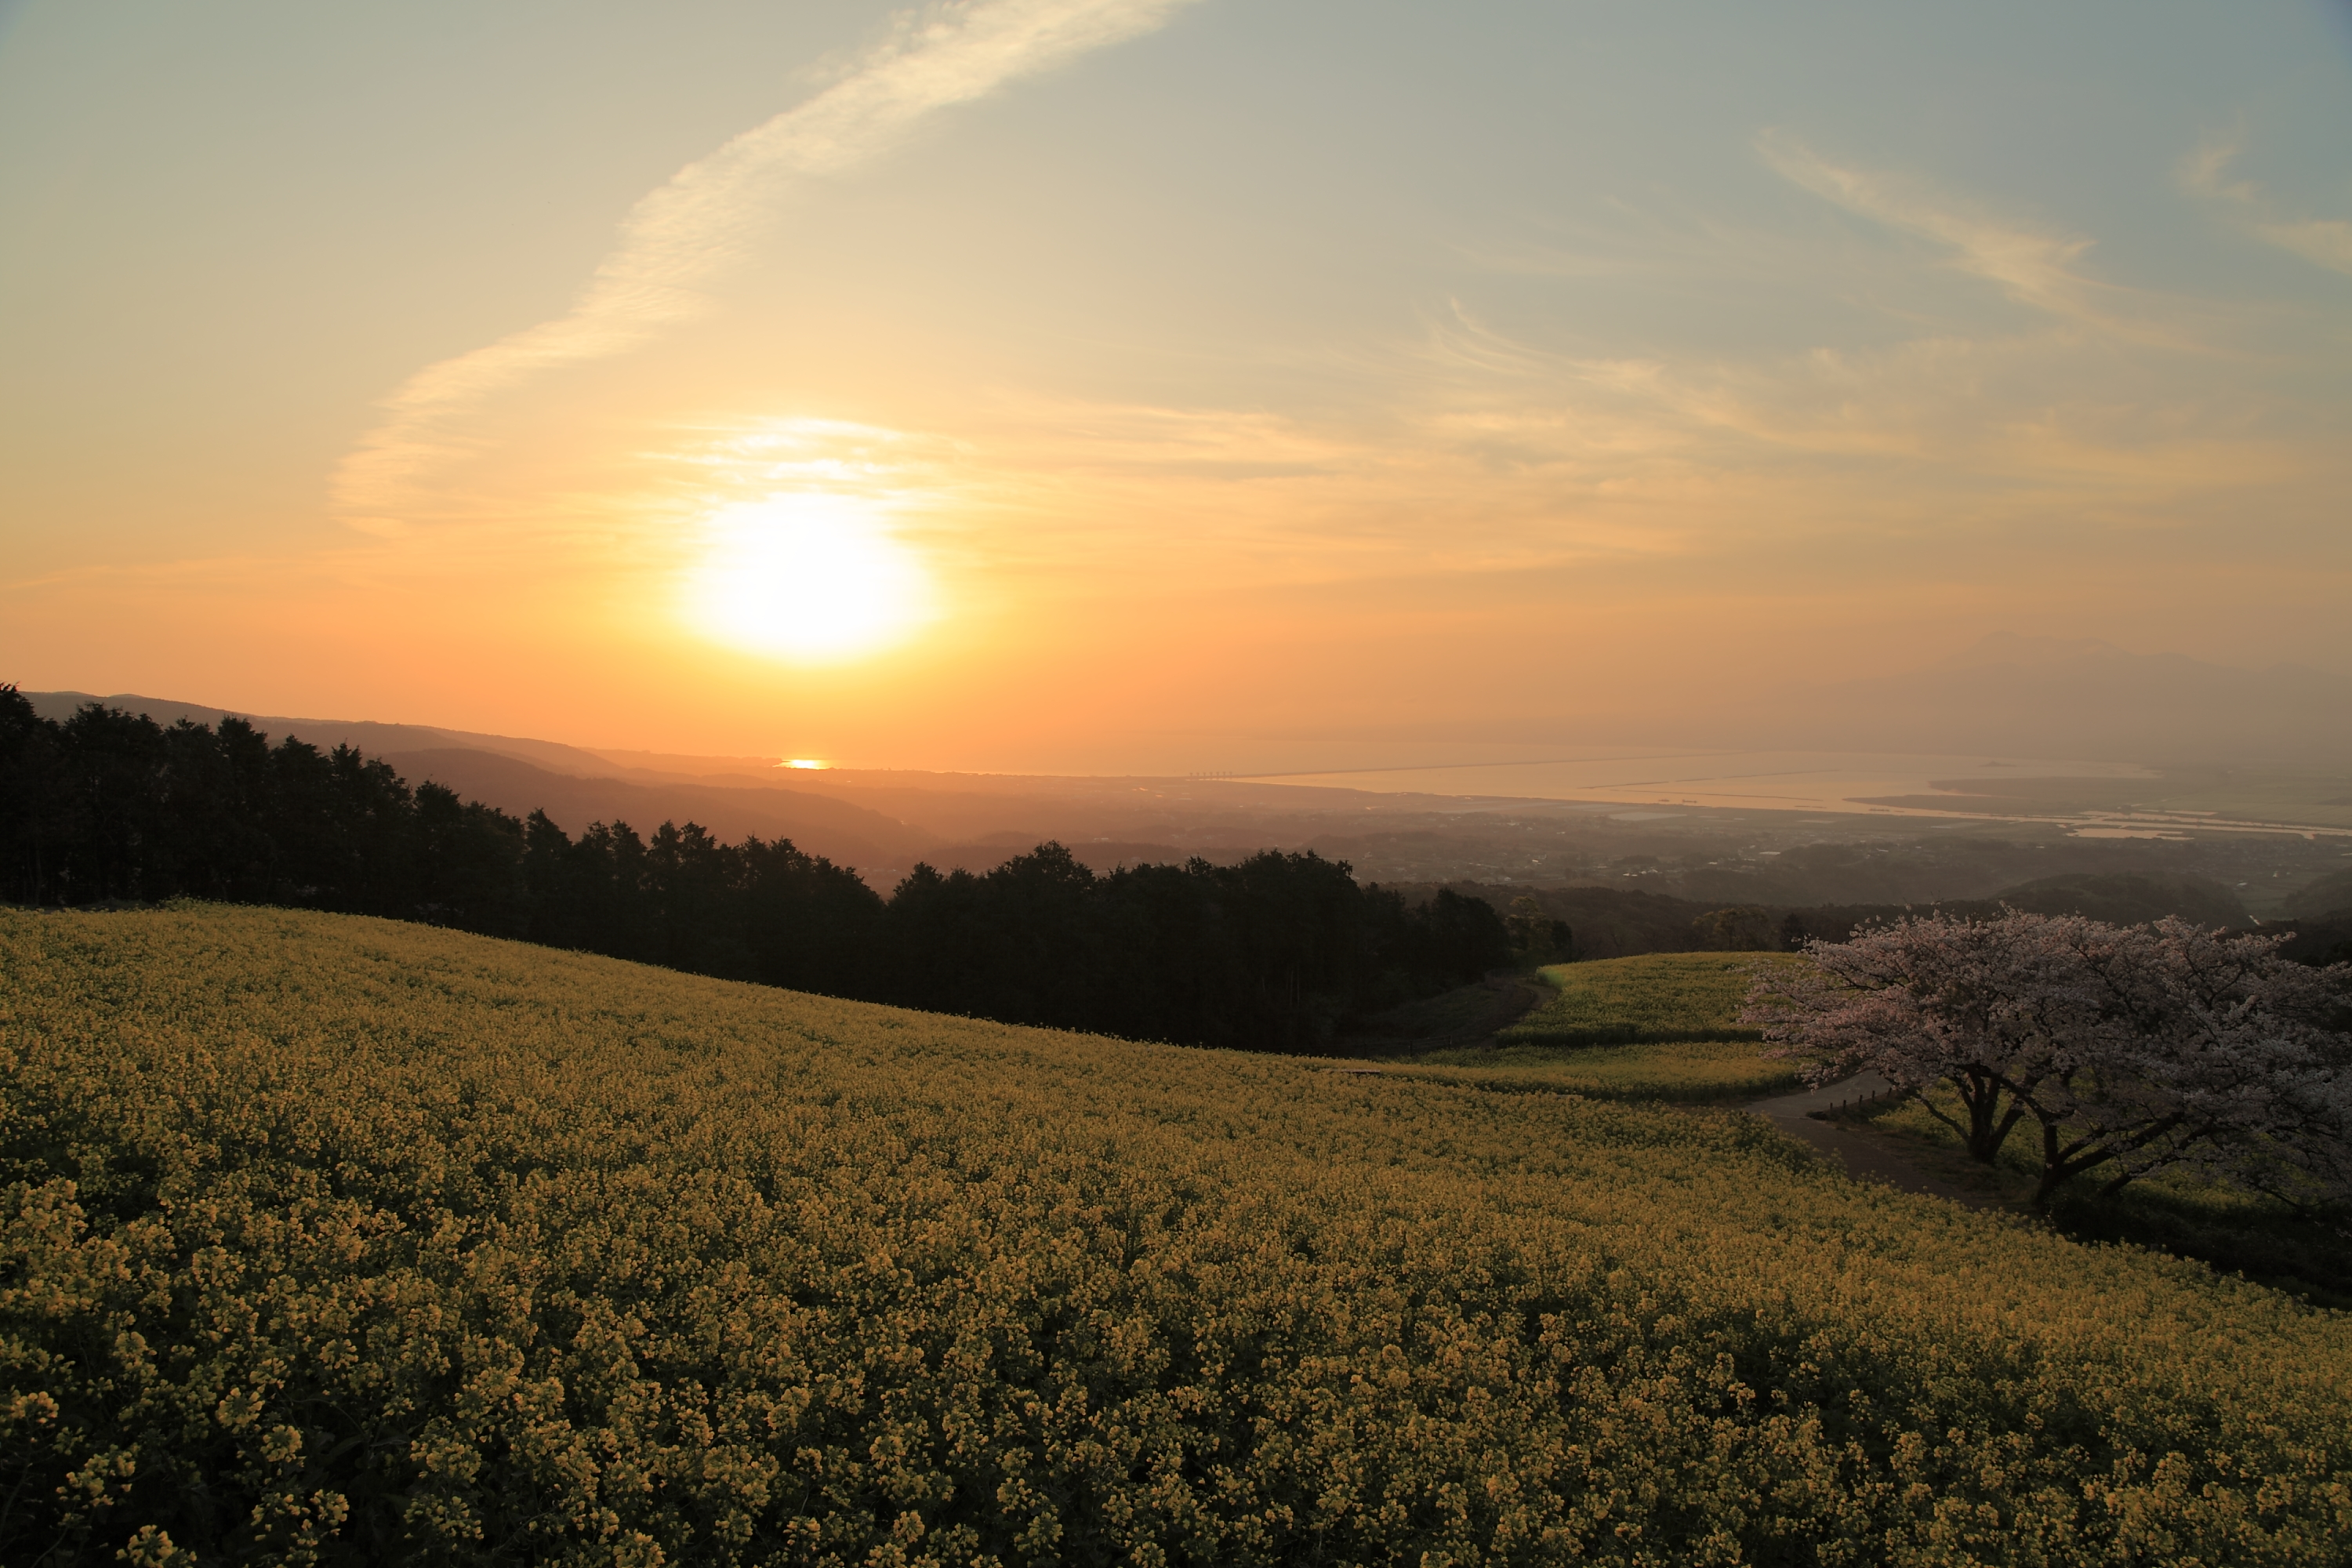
1509	998
1866	1157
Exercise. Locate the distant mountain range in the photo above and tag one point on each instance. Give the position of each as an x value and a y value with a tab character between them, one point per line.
2007	696
843	833
883	821
364	734
880	822
573	785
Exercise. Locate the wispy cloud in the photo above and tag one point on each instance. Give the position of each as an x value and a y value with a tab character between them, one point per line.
2032	267
2323	242
2049	418
679	237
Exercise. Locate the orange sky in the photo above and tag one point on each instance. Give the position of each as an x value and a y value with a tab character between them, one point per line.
1103	384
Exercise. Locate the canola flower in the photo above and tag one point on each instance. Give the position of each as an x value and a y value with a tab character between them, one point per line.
330	1239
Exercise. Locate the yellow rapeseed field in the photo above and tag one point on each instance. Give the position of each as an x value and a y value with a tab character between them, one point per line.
332	1239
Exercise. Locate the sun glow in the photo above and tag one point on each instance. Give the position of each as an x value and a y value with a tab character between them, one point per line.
810	577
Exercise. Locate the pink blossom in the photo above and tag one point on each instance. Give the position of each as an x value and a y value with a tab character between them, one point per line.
2128	1049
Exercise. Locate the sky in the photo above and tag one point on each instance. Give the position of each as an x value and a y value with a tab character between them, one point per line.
1160	384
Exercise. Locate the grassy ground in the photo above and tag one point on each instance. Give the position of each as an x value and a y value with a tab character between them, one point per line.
1670	1070
2176	1212
1653	998
1659	1027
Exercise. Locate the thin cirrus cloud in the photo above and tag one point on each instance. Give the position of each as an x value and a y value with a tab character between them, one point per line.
2034	269
2323	242
682	234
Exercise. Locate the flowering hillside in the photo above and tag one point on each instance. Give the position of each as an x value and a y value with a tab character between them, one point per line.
334	1239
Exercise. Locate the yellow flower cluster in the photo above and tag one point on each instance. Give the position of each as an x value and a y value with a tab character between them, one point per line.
332	1239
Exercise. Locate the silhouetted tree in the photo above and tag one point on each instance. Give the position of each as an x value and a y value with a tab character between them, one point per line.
1460	937
807	923
1535	937
36	802
1745	929
1268	954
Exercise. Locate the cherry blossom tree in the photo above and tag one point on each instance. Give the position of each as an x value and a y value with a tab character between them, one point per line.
2127	1048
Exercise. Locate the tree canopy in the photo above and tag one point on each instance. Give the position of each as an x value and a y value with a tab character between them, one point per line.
1269	955
2129	1050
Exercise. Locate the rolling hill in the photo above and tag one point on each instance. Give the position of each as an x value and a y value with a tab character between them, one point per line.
576	786
363	734
880	846
345	1240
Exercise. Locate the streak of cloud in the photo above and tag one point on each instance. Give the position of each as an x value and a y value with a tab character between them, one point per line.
678	237
2323	242
2032	267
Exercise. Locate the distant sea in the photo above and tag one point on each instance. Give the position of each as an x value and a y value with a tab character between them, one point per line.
1654	784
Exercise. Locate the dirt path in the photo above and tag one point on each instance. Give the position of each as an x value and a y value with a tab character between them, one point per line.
1502	1000
1516	997
1868	1156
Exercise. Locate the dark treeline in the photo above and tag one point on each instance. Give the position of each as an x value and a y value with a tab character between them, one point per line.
1620	922
1268	954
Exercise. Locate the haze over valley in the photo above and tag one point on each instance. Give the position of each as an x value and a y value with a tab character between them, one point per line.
1726	828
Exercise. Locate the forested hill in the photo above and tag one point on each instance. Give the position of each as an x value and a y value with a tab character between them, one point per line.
1619	923
1267	955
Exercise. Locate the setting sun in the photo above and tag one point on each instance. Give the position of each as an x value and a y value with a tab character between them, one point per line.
813	578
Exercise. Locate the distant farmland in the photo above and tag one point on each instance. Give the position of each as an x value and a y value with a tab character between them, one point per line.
335	1239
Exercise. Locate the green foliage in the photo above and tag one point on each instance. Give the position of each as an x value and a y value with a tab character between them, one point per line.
1684	1070
329	1239
1535	937
1654	997
1748	928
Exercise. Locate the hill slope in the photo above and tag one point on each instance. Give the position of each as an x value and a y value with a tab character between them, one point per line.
845	833
2121	899
1657	996
2325	896
369	735
332	1235
574	786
